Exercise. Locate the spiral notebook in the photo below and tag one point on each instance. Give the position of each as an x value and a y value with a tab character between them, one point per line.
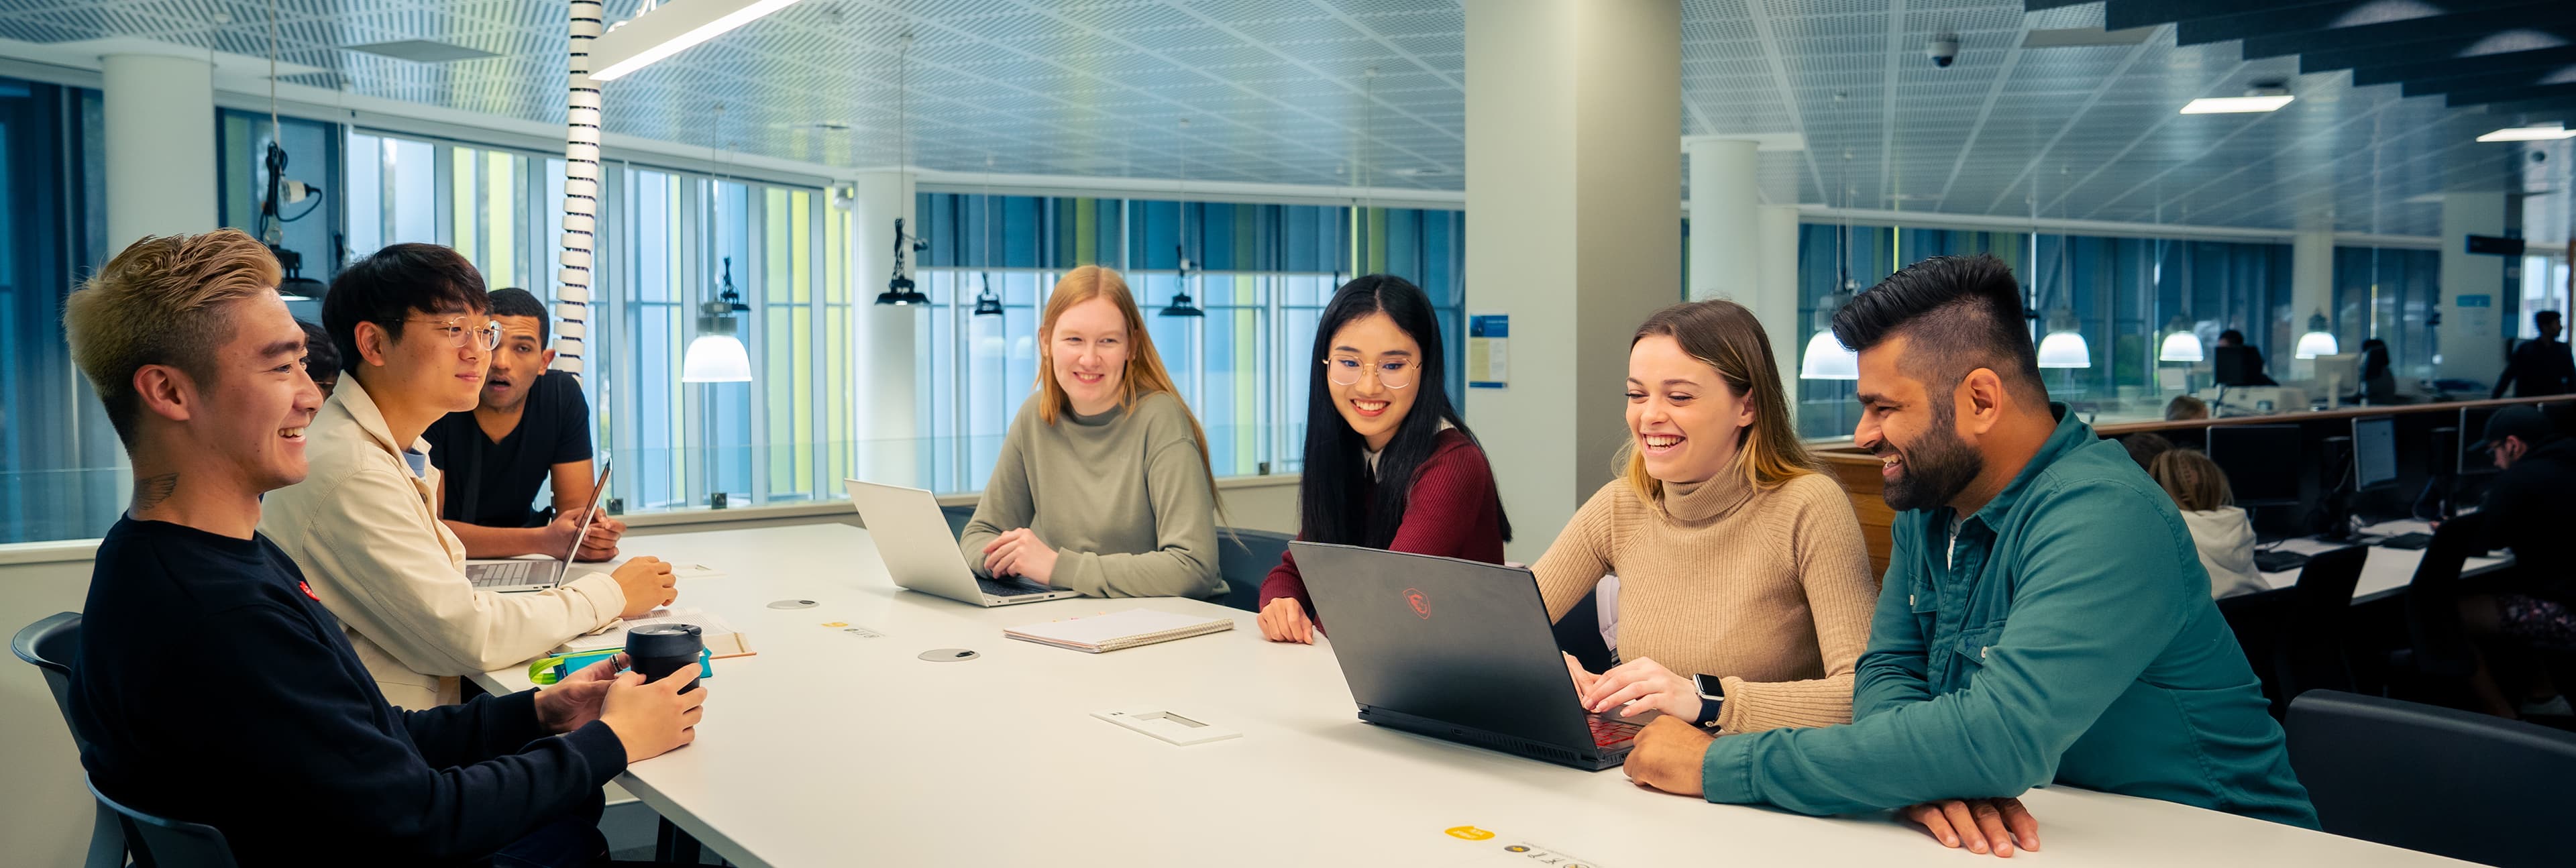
1118	630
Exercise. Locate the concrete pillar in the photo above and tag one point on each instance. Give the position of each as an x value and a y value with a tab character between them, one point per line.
889	450
1775	301
160	141
2469	345
1571	179
2311	293
1725	238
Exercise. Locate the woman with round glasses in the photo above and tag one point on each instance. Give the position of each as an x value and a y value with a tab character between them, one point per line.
1389	464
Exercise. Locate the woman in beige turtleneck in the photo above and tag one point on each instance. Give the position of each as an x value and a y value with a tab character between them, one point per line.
1736	558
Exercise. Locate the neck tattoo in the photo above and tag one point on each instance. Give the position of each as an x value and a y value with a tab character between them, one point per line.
152	491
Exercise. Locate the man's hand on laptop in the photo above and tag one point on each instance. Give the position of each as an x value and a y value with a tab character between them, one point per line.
601	543
1980	825
561	531
1667	756
1643	684
647	582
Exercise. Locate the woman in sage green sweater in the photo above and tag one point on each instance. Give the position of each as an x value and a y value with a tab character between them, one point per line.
1103	484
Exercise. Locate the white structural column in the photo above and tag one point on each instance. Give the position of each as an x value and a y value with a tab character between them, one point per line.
1571	183
889	449
160	147
2311	293
1775	301
1725	236
581	193
2470	343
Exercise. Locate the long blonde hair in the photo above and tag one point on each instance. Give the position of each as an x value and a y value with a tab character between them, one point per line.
1144	374
1724	335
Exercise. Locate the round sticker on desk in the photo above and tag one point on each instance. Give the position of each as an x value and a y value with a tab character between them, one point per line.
793	604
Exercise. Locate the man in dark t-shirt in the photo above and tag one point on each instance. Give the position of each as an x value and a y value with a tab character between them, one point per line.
206	670
2540	367
532	427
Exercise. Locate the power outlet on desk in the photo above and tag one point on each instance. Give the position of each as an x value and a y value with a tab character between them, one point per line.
716	500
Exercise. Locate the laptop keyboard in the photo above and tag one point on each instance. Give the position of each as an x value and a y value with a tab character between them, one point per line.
495	575
1608	734
1011	589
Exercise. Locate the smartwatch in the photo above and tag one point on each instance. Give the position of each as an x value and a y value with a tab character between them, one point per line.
1712	693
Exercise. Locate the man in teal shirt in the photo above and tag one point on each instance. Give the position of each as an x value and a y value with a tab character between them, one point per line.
2044	618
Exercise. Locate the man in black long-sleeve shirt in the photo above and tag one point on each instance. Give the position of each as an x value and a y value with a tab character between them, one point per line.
214	688
2540	367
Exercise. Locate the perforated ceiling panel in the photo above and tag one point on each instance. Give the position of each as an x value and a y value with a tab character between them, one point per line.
1279	91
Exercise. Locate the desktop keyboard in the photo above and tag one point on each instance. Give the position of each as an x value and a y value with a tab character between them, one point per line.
1607	734
1010	589
2408	541
2279	561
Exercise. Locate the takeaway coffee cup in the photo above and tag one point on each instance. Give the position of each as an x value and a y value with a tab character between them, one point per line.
657	650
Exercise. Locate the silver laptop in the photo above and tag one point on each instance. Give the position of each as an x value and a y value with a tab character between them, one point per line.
913	539
519	575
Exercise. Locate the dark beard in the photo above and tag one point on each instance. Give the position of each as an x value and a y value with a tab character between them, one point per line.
1934	468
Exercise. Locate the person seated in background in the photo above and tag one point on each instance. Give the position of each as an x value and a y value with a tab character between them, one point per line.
212	688
2144	446
2540	367
321	360
1377	408
2045	617
530	427
2525	512
2220	530
1103	484
412	325
2378	381
1736	558
2256	370
2185	408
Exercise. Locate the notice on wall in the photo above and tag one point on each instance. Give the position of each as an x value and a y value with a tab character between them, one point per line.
1489	350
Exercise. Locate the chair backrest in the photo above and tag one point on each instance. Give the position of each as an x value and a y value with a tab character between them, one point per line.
160	842
1244	558
2312	649
2432	599
2438	780
957	517
50	644
2259	620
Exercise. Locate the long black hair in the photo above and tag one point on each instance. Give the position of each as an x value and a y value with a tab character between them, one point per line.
1328	497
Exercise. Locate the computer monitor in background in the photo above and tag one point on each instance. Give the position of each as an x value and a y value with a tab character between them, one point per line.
2337	376
2473	427
2374	453
2235	366
2262	462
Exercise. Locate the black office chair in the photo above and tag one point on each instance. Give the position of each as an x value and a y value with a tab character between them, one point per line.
50	644
2439	780
957	517
2258	620
160	842
2311	653
1244	558
1579	634
2438	660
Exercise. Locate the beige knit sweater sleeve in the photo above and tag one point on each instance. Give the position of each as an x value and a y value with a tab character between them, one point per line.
1817	531
1581	554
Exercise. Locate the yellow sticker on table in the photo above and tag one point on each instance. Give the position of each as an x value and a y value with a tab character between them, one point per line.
1496	853
1470	833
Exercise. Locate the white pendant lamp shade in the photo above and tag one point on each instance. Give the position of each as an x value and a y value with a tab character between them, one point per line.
2181	346
2064	350
716	359
1827	359
2318	341
2064	346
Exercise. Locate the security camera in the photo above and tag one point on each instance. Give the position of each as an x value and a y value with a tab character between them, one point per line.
1943	49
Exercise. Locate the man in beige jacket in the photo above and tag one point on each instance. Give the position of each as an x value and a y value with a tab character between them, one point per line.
413	330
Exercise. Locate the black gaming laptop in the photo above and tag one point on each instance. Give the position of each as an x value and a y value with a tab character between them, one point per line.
1458	650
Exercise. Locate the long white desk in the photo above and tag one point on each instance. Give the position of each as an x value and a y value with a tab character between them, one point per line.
828	748
2385	573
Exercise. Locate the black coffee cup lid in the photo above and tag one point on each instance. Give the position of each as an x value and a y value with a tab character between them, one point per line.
663	640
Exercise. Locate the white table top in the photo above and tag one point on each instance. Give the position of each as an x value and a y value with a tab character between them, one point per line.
827	748
2384	573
